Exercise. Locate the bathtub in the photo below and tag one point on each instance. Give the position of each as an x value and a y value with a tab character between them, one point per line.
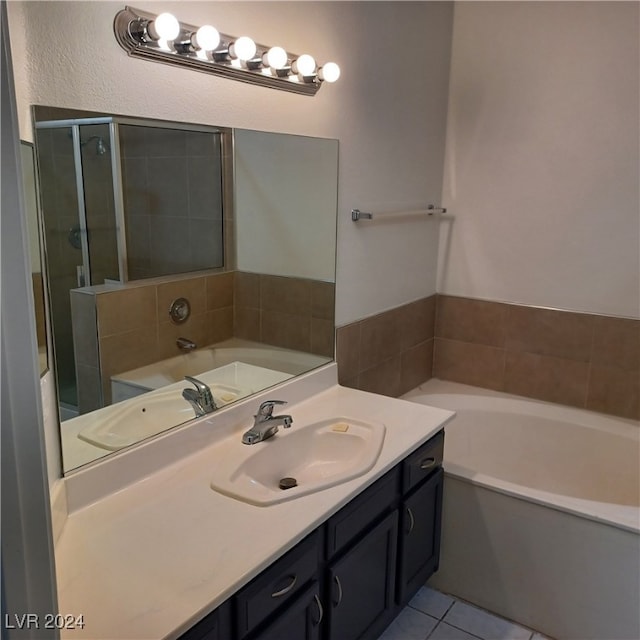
541	515
241	363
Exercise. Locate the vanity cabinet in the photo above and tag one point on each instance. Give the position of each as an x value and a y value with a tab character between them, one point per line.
361	583
301	620
216	626
279	585
420	517
419	539
361	556
349	578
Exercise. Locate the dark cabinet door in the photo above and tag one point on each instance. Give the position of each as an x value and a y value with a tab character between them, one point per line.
215	626
421	514
361	585
300	621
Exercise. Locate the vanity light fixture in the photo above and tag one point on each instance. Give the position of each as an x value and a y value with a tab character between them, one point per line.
163	38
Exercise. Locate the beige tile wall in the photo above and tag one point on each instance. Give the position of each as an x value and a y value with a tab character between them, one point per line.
133	327
389	353
295	313
576	359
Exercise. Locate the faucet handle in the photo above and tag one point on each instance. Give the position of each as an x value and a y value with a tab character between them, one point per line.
266	408
198	384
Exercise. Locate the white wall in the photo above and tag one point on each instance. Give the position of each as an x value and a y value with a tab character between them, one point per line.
285	211
542	156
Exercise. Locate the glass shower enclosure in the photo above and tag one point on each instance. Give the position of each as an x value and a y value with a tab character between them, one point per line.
123	199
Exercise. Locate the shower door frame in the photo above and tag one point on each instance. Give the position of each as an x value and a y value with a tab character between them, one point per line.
226	159
116	177
116	173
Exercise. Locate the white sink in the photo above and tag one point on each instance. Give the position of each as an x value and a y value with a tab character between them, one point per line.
126	423
317	456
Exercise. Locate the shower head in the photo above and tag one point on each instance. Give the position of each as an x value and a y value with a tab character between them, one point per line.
101	146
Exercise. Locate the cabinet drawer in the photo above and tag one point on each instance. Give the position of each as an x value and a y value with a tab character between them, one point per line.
301	620
362	511
422	462
278	584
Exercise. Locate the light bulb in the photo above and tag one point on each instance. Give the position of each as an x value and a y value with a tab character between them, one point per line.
276	58
305	65
206	38
244	48
329	72
164	27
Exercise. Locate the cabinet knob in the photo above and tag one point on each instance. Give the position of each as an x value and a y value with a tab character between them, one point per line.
282	592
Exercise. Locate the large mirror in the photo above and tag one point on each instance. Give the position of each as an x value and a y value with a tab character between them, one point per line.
30	185
177	250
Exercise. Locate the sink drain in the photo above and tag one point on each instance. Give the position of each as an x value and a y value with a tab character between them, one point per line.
287	483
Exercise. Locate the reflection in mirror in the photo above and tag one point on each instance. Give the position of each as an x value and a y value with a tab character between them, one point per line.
123	200
35	250
259	292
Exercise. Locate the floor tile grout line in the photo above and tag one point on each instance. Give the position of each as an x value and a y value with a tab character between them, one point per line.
454	599
532	632
473	635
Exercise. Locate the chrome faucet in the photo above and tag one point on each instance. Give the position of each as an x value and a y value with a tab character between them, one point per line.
265	424
185	344
200	398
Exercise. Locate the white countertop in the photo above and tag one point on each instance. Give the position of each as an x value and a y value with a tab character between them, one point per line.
151	559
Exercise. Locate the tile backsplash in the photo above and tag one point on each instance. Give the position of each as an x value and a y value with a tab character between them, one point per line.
389	353
121	328
576	359
294	313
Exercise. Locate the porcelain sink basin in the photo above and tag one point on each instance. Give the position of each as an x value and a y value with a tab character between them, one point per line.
126	423
317	456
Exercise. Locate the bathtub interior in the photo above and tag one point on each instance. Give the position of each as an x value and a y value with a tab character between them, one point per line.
572	459
148	401
244	363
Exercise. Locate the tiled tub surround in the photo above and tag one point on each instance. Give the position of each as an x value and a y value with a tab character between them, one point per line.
541	515
295	313
173	202
121	328
577	359
389	353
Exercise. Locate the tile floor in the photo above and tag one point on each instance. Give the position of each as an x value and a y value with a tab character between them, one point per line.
435	616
